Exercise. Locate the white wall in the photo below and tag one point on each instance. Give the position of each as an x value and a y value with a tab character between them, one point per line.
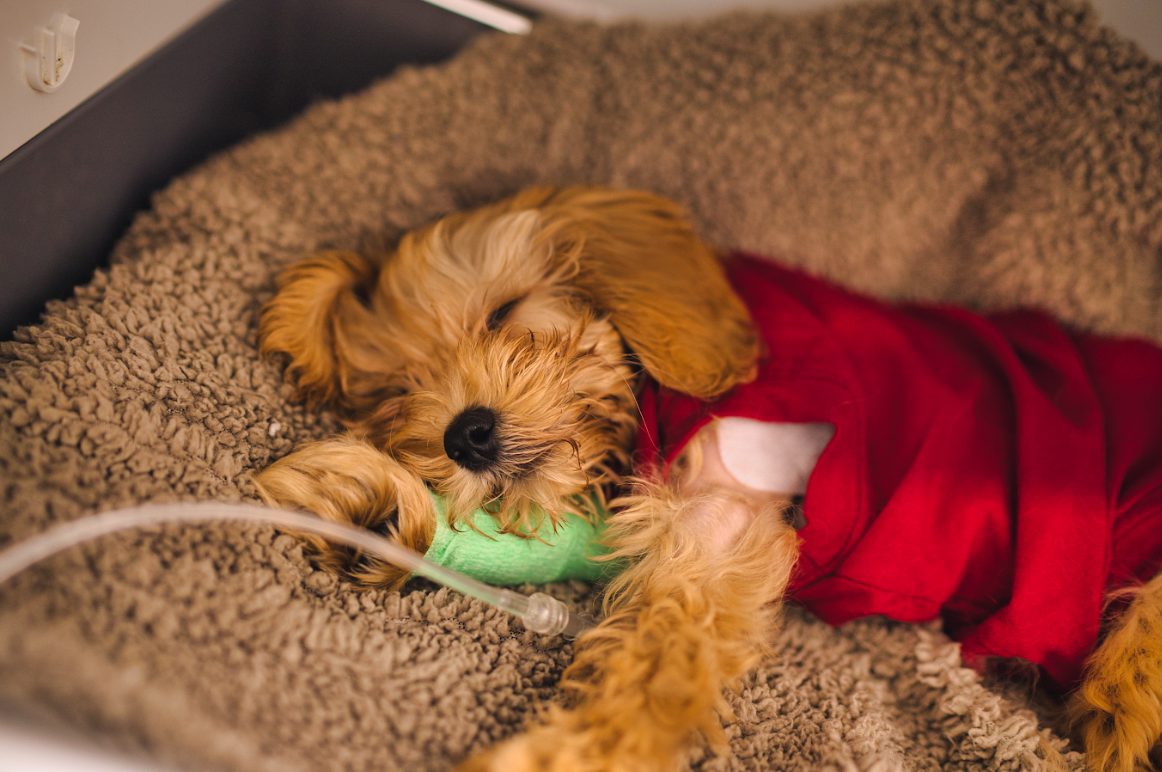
1138	20
113	36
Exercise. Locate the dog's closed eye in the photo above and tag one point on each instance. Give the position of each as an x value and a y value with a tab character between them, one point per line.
499	314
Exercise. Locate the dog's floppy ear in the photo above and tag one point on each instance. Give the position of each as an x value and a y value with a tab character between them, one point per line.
316	318
639	259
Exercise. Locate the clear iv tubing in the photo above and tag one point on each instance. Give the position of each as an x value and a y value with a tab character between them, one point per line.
538	612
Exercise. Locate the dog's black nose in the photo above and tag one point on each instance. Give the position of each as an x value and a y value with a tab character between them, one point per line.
470	440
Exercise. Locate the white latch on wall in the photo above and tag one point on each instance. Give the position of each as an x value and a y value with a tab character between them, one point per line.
50	56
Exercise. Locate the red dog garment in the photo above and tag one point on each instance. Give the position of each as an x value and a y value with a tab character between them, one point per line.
1001	472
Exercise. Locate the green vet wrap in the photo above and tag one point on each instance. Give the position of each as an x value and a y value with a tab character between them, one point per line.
550	555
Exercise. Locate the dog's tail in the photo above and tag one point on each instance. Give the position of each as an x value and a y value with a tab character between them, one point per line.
312	318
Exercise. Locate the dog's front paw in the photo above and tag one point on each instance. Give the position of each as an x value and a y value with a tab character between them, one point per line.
346	480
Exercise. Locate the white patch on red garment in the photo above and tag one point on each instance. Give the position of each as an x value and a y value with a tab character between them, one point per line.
744	465
775	458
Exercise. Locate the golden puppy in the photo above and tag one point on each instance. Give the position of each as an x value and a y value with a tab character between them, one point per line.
499	355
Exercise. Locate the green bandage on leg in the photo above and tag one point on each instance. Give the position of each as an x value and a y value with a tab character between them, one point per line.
549	555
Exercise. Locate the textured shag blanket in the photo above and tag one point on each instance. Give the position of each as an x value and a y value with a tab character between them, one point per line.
982	152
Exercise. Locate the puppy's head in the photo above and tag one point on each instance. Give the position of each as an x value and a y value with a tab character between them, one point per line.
495	352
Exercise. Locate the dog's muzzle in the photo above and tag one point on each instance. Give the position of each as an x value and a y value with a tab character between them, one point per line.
470	439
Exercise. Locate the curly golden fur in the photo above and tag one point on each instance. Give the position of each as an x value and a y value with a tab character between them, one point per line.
541	310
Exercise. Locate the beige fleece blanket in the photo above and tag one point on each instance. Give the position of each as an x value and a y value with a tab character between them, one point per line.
981	152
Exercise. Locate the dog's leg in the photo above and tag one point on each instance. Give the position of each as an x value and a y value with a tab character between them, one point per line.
346	480
1118	708
695	611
